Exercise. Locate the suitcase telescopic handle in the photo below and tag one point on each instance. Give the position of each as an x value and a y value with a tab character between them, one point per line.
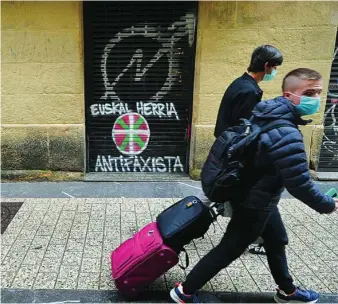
216	210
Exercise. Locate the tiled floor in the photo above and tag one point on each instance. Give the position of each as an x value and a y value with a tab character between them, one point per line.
66	244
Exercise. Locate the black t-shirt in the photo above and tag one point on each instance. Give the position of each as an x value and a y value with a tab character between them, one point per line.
238	102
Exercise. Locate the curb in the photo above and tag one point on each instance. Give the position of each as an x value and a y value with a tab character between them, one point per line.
10	176
105	296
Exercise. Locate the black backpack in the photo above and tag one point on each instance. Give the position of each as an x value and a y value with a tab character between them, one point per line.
229	157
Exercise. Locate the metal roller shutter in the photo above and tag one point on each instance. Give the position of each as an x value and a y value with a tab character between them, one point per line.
139	67
328	160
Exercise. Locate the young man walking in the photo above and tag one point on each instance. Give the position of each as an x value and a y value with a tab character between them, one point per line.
280	161
244	93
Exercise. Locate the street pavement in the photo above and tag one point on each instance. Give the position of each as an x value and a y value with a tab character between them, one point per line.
112	189
55	246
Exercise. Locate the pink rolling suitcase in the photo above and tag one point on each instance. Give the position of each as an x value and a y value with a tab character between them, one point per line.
140	260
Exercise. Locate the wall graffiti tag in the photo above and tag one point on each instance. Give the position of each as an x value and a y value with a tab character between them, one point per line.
167	49
144	91
329	151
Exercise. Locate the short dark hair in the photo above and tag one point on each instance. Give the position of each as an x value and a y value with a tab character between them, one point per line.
263	54
301	73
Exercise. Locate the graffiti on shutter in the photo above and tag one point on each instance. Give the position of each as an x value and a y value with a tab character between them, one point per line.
328	160
140	66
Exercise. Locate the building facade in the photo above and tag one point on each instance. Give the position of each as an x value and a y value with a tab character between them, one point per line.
120	90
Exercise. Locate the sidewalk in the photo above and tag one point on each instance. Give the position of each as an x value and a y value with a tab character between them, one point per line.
66	244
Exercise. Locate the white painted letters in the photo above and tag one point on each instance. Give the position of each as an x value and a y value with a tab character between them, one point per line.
138	164
146	109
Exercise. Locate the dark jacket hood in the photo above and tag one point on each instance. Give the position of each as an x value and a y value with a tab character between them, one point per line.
278	108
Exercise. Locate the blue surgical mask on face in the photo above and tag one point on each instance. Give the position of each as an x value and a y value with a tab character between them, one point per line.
268	77
308	105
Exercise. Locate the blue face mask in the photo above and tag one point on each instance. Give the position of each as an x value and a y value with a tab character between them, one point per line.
308	105
269	77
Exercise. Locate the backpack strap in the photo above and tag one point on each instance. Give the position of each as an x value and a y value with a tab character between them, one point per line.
276	124
256	132
186	260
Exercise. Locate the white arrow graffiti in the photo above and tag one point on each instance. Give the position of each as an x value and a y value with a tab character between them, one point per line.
168	45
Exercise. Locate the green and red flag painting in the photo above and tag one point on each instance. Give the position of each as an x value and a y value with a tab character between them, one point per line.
131	133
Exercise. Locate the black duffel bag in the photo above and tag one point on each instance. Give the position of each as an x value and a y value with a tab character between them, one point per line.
184	221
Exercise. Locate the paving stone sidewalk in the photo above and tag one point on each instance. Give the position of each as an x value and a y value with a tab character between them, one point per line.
66	244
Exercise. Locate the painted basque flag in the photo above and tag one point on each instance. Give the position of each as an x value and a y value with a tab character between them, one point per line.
131	133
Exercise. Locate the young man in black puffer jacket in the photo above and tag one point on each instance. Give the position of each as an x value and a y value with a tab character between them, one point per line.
281	156
244	93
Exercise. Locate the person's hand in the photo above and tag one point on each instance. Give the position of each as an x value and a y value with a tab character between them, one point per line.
335	207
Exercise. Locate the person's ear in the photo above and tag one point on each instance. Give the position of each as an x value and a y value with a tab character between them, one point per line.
286	94
267	68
